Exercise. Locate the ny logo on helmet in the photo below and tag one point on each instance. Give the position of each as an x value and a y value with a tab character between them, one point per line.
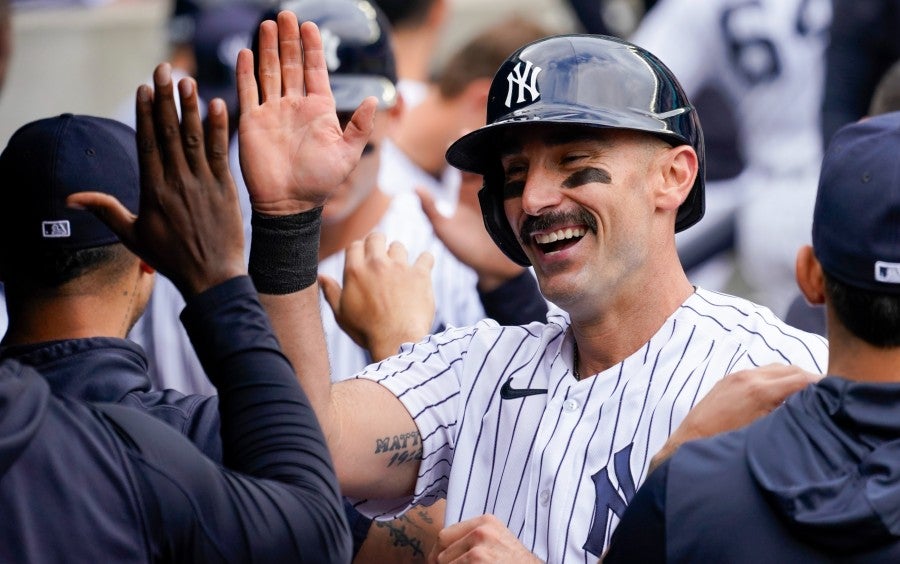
525	80
330	44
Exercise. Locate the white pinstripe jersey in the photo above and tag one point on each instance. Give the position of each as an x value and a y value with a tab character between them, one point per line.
455	294
559	467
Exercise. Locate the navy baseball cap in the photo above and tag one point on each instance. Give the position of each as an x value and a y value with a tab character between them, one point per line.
856	223
222	30
48	159
358	50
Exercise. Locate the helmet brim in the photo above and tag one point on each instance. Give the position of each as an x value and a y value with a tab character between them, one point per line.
479	150
350	90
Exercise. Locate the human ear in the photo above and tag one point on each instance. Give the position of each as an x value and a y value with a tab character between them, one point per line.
809	274
678	167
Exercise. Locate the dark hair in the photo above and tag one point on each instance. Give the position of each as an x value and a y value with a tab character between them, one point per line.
887	94
51	268
482	55
874	317
405	13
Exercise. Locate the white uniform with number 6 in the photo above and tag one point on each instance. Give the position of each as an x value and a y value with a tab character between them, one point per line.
767	57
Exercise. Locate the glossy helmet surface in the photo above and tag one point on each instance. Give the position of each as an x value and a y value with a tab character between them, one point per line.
358	52
585	80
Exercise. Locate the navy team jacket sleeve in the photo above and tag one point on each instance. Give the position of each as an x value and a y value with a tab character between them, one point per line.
515	302
292	511
641	535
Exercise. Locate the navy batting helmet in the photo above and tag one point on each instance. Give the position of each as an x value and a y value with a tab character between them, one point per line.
355	36
588	80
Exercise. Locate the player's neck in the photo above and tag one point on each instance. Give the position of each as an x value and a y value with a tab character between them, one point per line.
337	236
624	326
852	358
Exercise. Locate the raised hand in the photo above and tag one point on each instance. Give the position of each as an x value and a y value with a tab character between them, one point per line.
293	152
385	301
465	236
189	225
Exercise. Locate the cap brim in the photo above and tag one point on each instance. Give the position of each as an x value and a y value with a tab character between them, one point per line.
350	90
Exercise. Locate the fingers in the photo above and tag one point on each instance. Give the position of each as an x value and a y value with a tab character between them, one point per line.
191	126
315	69
165	117
269	69
358	130
247	89
375	244
425	262
149	159
429	206
771	384
217	141
332	292
109	210
290	54
398	252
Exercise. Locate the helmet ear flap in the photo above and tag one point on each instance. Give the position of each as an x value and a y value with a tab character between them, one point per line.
491	199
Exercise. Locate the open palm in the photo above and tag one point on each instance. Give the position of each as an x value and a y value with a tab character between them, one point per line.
293	152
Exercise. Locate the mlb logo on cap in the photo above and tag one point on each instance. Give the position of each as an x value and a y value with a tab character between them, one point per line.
49	159
856	223
57	228
887	272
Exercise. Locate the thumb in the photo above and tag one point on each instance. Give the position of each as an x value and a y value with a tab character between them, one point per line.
361	124
332	292
109	210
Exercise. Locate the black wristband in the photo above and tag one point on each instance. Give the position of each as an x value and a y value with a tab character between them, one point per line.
284	251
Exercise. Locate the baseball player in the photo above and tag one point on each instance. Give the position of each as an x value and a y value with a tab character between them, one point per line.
538	435
767	58
359	55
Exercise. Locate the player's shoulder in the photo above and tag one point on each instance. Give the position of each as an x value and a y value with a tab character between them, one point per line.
757	330
487	333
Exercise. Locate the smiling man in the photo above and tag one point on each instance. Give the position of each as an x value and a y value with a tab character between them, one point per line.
538	435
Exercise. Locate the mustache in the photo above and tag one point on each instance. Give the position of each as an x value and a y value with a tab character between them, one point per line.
534	223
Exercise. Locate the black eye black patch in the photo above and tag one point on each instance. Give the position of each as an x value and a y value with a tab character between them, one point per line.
586	176
513	189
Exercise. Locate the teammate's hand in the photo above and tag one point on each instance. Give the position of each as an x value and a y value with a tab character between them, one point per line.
465	236
293	152
189	227
735	401
480	539
385	301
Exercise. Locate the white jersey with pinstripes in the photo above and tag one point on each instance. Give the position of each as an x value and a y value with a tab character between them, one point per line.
559	466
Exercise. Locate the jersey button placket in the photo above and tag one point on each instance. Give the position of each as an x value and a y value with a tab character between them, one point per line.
570	405
544	498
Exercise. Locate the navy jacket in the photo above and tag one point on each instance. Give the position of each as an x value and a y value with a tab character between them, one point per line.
109	370
93	483
818	480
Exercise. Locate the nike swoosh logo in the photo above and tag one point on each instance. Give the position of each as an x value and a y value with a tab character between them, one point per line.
507	392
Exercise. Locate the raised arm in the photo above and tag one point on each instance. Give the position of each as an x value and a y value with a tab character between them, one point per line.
189	228
293	155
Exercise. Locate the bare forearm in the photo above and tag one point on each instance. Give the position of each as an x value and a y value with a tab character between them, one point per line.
298	326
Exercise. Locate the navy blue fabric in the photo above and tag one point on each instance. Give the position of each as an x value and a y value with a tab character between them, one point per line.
515	302
818	480
856	226
109	370
86	484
